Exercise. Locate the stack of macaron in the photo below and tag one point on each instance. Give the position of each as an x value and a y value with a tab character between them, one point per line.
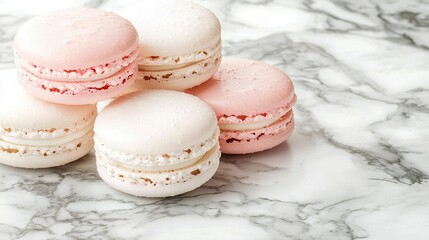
177	105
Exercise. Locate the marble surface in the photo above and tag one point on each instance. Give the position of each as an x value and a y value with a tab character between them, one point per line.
356	167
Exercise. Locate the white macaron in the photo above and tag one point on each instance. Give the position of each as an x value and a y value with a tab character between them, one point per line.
39	134
180	43
156	143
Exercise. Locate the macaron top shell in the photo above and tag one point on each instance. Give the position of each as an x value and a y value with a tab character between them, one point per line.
75	38
153	122
173	27
19	110
246	87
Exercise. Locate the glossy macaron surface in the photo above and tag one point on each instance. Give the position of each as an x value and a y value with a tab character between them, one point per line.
72	39
173	27
155	122
246	87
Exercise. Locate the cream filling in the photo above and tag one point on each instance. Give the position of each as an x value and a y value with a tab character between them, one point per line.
208	161
248	126
167	67
46	141
160	68
88	74
160	168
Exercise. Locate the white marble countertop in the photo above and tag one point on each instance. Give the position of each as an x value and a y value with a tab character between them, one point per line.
356	167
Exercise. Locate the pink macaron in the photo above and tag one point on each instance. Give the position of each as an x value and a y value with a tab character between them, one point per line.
253	103
76	56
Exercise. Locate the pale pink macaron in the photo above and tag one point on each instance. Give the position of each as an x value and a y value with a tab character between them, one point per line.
76	56
253	103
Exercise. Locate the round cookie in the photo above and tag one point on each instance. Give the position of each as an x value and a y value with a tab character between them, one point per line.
76	56
39	134
180	43
253	103
156	143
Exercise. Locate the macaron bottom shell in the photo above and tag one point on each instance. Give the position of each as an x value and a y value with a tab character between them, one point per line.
243	146
160	184
46	156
